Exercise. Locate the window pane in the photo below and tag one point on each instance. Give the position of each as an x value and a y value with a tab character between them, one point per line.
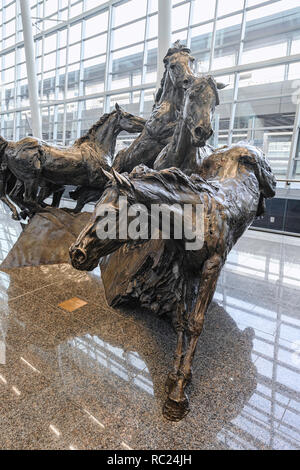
95	46
129	11
50	43
225	7
254	54
228	30
92	111
50	61
261	76
94	3
96	24
74	53
203	14
201	38
180	16
75	33
153	26
94	72
129	34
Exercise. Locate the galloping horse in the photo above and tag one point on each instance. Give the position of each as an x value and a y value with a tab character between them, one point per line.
36	163
230	188
160	126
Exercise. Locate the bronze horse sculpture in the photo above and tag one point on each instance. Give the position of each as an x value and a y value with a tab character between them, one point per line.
35	163
230	186
160	126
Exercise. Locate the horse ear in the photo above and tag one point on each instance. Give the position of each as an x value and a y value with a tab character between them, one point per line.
118	108
220	85
107	175
120	180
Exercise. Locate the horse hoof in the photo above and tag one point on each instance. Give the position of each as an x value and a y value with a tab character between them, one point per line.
175	411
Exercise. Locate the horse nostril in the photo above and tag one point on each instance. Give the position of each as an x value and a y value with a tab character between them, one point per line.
78	255
199	131
186	82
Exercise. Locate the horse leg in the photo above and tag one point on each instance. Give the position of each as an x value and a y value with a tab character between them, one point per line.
178	324
17	196
15	214
79	205
45	192
84	197
177	405
30	197
57	197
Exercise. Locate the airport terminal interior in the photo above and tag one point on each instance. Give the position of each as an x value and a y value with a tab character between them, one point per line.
81	375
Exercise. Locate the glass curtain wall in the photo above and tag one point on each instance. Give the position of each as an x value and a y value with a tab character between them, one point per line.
91	54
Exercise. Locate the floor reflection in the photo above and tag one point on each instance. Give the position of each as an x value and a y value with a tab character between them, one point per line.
94	378
127	365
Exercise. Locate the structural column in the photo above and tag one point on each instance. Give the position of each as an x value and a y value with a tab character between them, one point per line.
295	137
31	69
164	34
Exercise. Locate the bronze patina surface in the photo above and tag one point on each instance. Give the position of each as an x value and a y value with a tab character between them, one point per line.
34	164
231	185
168	103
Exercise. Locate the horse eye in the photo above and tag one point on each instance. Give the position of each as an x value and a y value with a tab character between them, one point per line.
172	66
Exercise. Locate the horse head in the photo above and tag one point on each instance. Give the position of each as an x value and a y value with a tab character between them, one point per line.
199	105
128	122
178	69
90	246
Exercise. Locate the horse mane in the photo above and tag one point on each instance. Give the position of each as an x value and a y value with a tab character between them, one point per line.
160	90
91	132
213	82
170	177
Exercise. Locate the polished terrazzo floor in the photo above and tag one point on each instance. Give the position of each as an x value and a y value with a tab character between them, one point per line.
93	378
